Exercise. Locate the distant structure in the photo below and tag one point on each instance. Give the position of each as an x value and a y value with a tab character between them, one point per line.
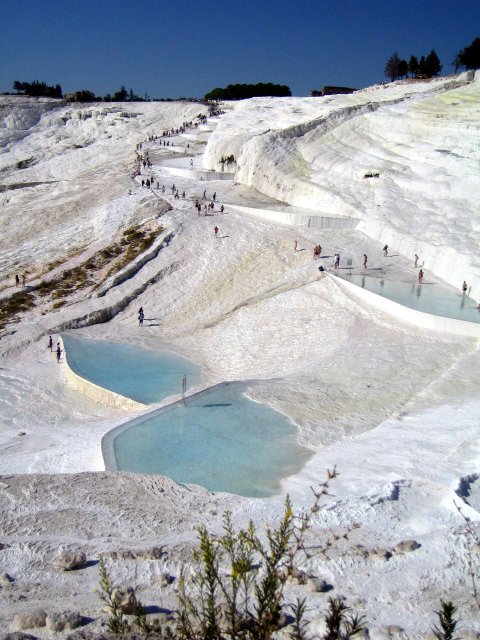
330	91
81	96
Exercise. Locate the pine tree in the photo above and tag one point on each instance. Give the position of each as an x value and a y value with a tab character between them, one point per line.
402	68
432	64
391	68
469	58
413	66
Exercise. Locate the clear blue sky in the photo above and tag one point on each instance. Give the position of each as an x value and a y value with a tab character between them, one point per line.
186	48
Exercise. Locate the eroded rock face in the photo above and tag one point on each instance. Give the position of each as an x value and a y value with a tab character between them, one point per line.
166	579
318	585
63	620
29	619
297	576
407	545
6	580
67	560
18	635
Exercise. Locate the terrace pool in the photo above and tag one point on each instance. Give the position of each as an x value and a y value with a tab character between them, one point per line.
141	374
220	440
426	297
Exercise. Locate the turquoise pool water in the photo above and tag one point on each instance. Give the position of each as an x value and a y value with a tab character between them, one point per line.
427	297
220	440
140	374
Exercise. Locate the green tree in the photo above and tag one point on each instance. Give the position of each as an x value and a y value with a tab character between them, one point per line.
468	58
422	70
121	95
402	69
37	88
243	91
432	64
413	66
391	67
84	95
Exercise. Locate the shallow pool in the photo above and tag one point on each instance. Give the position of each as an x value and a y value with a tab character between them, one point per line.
220	440
427	297
141	374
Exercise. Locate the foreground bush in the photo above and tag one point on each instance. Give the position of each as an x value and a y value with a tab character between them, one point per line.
235	589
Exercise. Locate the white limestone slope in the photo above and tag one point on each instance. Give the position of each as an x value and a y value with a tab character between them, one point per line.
421	138
394	406
65	173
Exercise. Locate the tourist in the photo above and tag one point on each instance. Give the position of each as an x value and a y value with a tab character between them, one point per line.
416	261
295	246
191	162
204	197
464	287
420	276
214	196
337	261
17	280
141	317
59	352
216	231
222	209
385	250
50	343
365	258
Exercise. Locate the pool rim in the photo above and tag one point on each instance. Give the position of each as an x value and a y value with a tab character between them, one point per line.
108	439
423	319
106	396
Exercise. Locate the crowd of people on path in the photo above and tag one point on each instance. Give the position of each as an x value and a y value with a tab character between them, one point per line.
207	205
